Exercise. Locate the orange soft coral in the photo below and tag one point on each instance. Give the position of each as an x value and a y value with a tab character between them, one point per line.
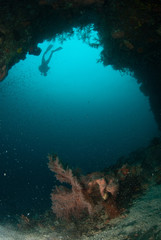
104	188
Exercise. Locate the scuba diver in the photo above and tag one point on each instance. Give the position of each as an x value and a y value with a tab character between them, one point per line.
44	63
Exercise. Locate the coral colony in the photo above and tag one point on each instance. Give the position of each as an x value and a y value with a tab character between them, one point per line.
83	195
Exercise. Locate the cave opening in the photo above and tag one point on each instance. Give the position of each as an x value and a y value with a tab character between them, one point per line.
80	109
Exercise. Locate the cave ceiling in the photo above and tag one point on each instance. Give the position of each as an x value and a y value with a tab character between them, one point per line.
129	33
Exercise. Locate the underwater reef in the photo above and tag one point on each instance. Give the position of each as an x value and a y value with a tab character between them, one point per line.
120	202
110	191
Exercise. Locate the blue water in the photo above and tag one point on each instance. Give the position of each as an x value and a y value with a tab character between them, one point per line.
88	114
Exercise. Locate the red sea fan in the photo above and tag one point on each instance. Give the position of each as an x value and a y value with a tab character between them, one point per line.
67	202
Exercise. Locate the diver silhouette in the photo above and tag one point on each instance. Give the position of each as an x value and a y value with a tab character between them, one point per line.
44	63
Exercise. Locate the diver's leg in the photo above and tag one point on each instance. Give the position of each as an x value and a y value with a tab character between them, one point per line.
47	61
48	48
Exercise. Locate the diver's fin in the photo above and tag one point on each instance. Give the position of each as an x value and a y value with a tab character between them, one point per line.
57	49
